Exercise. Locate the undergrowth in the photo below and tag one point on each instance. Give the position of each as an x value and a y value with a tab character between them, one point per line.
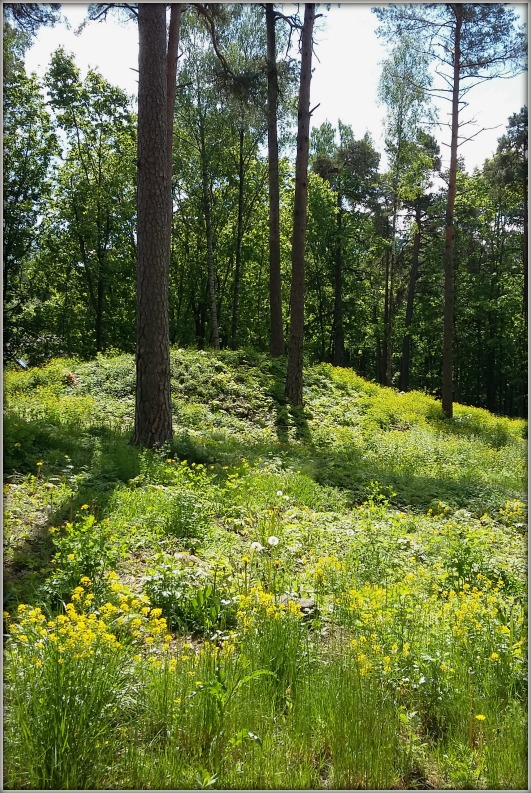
332	597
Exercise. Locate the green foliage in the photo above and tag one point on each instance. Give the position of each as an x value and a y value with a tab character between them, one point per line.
60	712
362	562
29	146
81	548
192	599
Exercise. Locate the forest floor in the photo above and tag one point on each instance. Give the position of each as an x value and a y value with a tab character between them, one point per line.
325	598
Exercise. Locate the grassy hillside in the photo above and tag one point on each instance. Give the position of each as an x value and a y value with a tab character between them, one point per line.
330	597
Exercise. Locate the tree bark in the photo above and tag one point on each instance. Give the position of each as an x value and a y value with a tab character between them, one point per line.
295	351
448	326
153	423
275	281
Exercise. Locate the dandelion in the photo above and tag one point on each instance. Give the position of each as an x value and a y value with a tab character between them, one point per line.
279	493
273	540
480	717
256	546
494	656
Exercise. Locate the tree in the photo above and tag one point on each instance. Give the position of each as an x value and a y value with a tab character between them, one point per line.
157	66
153	422
470	43
403	89
29	144
512	155
275	285
15	42
295	350
351	170
29	17
426	161
93	211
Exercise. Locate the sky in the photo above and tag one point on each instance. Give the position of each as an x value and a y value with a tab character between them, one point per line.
347	66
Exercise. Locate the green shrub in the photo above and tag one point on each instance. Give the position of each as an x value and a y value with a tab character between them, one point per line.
190	599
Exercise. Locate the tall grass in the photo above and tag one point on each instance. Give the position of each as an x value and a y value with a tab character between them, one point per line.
333	599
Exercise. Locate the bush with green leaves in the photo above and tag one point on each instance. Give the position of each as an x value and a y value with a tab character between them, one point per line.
190	598
83	548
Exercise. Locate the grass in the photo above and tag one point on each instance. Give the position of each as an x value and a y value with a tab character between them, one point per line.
152	600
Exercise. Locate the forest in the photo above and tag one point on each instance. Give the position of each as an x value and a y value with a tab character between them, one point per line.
375	239
264	412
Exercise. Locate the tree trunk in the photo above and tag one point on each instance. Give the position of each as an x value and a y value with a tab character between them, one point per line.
275	281
295	359
339	332
239	238
413	277
153	425
448	327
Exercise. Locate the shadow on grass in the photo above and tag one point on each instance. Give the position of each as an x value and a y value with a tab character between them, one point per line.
92	461
98	459
350	471
493	431
289	420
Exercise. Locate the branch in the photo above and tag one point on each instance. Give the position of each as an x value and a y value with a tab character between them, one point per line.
483	129
292	21
203	11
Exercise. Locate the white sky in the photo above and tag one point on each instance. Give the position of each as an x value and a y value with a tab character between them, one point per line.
345	78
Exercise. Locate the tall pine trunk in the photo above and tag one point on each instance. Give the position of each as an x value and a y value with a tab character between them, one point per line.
448	327
153	424
295	350
275	282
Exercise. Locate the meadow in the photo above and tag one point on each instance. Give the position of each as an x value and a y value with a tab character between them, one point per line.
326	598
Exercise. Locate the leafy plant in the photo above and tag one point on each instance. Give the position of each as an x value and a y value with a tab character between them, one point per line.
189	599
